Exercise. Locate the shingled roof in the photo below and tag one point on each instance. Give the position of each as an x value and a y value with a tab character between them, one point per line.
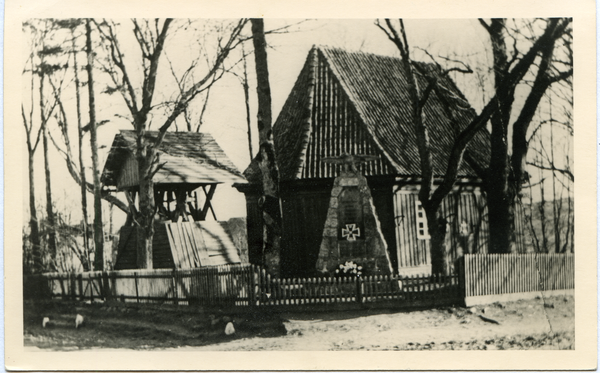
354	102
188	157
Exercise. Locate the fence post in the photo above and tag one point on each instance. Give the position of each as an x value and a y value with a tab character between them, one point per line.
255	284
461	278
137	293
72	288
359	290
91	286
175	295
80	284
105	286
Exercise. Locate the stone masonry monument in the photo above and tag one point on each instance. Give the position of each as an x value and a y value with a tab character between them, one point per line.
352	231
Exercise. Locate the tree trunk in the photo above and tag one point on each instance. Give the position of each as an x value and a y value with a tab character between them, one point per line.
500	198
247	102
49	209
84	212
98	235
34	233
507	172
51	221
270	176
437	240
145	157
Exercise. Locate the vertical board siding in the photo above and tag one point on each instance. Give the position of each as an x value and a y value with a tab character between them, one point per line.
304	217
491	274
128	175
457	207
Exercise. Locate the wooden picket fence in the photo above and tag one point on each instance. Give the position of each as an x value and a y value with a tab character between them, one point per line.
495	274
244	285
215	286
368	289
481	276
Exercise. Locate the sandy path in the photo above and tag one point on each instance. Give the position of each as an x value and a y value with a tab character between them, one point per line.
521	325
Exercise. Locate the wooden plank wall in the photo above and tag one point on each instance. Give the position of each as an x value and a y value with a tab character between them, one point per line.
127	252
254	228
128	176
127	255
200	244
304	215
492	274
467	206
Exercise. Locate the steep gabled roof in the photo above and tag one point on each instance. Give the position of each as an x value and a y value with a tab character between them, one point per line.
188	157
366	93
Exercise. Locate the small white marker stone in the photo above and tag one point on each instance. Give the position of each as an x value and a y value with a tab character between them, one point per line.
229	329
78	321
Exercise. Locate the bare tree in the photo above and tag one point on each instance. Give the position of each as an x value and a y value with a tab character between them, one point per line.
38	32
431	198
151	37
555	229
98	234
509	73
507	168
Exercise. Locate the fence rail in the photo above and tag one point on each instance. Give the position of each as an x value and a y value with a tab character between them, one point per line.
480	275
219	285
244	285
493	274
368	289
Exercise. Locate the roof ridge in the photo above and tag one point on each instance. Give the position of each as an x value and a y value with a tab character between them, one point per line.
311	60
344	50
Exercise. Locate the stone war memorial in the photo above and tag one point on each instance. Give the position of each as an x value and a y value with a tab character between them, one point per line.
352	231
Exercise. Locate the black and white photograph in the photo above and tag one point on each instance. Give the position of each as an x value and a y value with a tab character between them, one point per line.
228	189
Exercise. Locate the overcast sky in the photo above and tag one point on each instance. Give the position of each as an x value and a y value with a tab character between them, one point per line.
225	118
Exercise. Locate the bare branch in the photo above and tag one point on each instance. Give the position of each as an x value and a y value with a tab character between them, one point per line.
484	24
116	57
189	95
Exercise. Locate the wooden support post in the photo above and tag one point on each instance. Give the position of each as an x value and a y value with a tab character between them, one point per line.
105	286
207	203
80	283
359	299
91	286
137	293
175	295
72	289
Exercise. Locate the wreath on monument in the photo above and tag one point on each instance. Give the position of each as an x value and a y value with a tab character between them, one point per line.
349	269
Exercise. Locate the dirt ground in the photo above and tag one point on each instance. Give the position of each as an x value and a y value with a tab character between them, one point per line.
530	324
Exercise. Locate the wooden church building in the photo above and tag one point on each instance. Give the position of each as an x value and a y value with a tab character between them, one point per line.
187	233
354	103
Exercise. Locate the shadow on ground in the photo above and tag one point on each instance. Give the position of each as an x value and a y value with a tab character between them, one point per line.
139	326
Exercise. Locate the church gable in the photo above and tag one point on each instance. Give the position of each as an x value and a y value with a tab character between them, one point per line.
336	129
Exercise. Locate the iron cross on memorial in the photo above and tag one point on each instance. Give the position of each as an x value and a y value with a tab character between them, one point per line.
350	220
